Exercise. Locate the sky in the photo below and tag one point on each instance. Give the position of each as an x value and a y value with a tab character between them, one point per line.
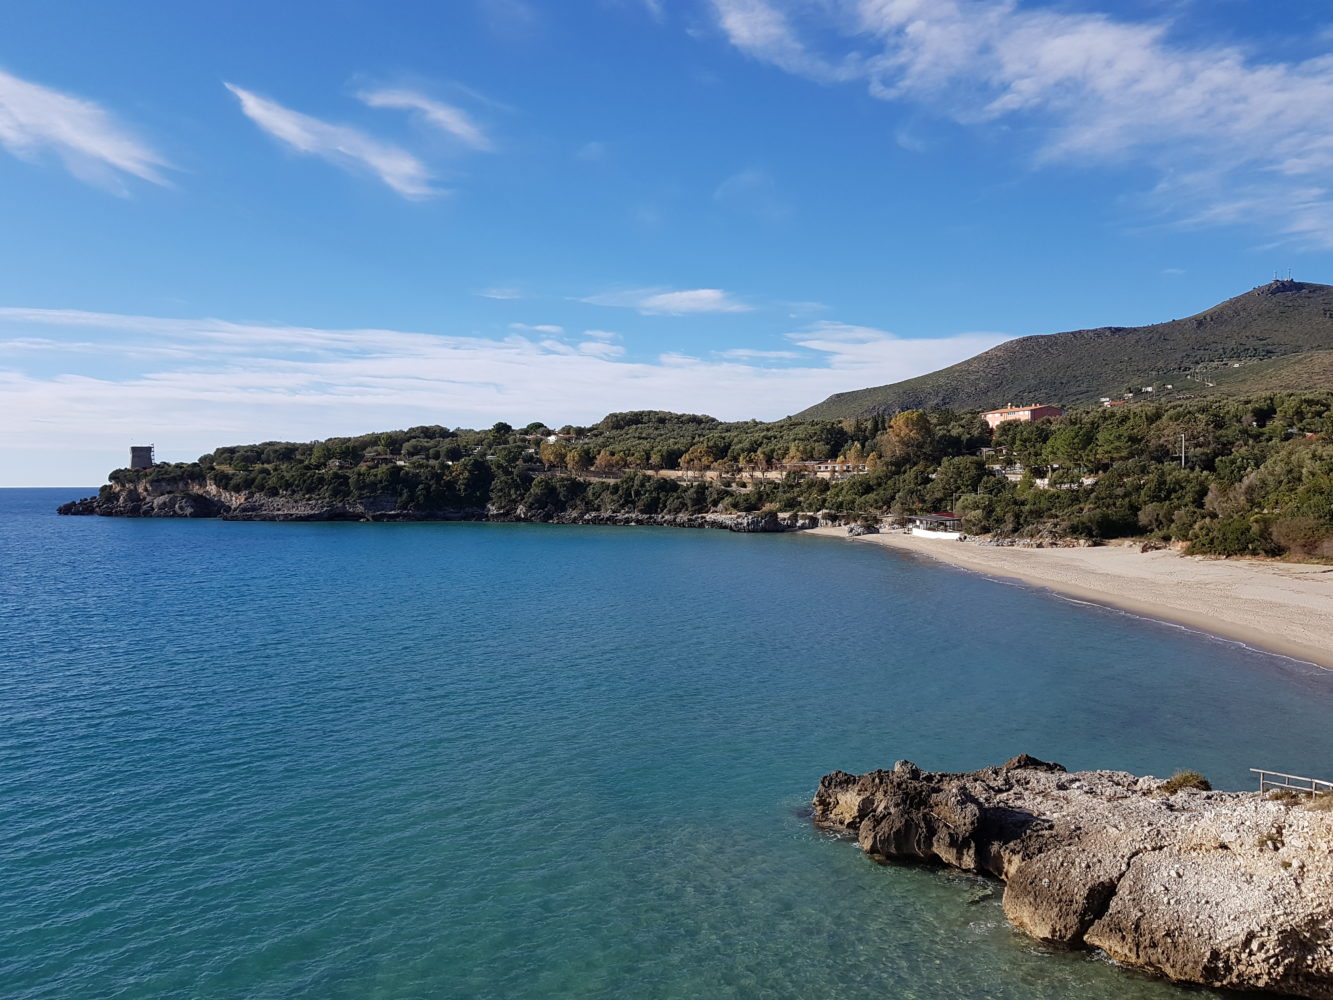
239	222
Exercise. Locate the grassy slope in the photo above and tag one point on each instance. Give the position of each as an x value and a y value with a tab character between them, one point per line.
1280	334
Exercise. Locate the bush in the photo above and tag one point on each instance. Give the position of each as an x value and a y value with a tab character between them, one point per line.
1231	536
1304	536
1185	779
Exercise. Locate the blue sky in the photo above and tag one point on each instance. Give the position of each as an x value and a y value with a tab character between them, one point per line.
254	221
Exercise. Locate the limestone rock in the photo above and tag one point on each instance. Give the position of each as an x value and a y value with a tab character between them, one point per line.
1223	889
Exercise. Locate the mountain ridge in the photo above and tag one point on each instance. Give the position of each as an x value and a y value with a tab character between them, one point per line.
1213	352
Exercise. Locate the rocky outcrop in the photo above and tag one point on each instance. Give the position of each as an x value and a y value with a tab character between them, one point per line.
1224	889
194	499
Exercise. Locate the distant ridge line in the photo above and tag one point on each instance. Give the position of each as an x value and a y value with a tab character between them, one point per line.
1277	336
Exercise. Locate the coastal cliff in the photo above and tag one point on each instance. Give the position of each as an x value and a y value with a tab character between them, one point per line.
196	499
1223	889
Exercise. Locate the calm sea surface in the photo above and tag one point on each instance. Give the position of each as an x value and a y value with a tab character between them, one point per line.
472	760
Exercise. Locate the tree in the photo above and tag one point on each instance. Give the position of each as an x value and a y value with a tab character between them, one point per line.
552	453
608	461
910	437
697	459
580	458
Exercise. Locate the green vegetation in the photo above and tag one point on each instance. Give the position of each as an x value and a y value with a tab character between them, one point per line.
1185	779
1277	338
1257	477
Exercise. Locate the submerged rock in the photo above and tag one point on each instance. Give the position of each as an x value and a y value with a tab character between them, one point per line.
1224	889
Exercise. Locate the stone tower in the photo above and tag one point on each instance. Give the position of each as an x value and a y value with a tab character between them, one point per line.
141	456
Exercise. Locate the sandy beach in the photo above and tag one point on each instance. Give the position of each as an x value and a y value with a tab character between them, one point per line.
1286	608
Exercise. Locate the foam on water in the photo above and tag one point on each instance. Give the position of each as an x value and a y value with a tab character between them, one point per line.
463	760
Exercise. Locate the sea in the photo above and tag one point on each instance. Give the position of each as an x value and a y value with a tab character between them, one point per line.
243	760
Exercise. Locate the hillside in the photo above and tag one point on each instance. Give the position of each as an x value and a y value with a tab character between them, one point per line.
1277	337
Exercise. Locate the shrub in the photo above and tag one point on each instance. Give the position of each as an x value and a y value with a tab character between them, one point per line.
1304	536
1233	536
1283	795
1322	801
1185	779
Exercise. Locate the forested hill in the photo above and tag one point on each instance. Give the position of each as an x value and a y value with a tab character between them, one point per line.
1225	476
1278	337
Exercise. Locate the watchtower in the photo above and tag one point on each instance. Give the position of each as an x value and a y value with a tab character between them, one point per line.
141	456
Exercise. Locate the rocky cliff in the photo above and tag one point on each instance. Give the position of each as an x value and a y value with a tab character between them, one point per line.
172	498
1225	889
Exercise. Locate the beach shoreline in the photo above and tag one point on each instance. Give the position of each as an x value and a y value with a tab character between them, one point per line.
1283	608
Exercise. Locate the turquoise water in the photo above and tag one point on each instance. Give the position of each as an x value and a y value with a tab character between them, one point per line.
472	760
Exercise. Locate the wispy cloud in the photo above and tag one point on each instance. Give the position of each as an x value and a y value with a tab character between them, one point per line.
501	293
190	385
762	30
511	20
92	144
750	354
755	193
1222	127
662	302
446	118
548	328
343	145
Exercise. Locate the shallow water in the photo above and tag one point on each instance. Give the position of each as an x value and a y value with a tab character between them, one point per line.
471	760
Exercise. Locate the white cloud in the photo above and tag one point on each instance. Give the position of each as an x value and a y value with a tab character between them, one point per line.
445	117
1219	124
192	385
340	144
91	143
864	349
763	31
661	302
750	354
503	294
548	328
601	334
674	359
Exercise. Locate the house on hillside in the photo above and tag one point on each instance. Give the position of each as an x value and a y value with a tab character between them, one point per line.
837	470
1035	411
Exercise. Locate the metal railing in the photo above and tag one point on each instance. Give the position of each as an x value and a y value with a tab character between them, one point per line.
1293	782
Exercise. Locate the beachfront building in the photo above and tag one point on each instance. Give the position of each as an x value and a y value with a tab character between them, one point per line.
942	526
1036	411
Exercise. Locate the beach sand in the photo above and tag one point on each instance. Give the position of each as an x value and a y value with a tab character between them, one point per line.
1285	608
